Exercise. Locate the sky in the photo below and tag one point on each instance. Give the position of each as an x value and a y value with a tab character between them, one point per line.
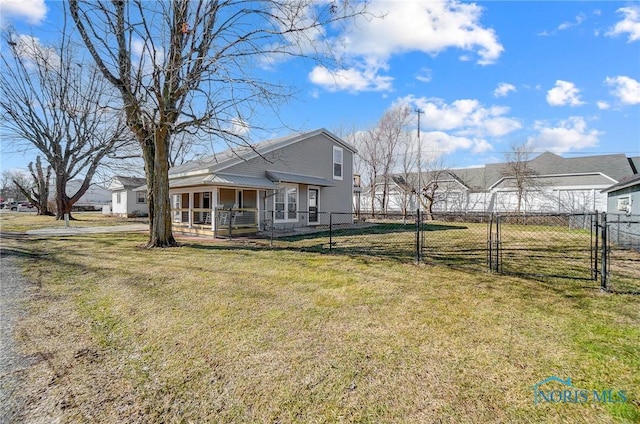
562	77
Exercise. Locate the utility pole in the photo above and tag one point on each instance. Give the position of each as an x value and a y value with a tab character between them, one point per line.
419	112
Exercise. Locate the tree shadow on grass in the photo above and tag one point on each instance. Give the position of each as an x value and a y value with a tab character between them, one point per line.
344	241
374	229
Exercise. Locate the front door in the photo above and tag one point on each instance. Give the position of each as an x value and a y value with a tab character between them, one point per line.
313	206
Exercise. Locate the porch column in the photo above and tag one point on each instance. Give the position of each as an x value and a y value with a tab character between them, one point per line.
190	209
258	209
214	205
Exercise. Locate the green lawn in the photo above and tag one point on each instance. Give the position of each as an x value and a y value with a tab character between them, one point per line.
224	332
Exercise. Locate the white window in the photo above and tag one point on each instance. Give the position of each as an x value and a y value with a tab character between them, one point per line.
118	198
141	197
286	203
623	204
337	163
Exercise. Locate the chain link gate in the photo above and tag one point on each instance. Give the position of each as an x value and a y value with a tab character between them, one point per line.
544	245
619	253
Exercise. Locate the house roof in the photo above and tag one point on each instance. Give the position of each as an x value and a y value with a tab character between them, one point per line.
625	183
615	166
588	170
120	182
635	164
225	159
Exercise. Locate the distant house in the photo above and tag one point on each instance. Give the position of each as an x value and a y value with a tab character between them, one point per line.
125	200
558	184
623	212
94	199
285	183
624	197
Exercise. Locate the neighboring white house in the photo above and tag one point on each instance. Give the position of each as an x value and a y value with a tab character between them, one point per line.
559	184
93	199
125	201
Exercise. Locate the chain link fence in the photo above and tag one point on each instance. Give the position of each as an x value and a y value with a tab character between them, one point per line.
620	266
384	235
600	249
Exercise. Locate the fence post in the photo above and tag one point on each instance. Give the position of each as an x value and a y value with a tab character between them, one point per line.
330	231
593	256
498	246
604	263
418	221
490	244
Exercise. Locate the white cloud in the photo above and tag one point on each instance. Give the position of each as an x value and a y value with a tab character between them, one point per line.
566	25
32	51
351	79
34	11
423	26
461	125
409	26
424	75
564	93
626	89
503	89
465	117
568	135
629	25
602	105
239	127
579	19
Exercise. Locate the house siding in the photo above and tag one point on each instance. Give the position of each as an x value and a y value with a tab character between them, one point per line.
313	157
633	193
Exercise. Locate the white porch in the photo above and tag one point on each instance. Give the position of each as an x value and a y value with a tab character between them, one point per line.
215	210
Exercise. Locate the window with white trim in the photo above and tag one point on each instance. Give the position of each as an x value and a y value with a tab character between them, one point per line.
285	203
337	162
141	197
118	198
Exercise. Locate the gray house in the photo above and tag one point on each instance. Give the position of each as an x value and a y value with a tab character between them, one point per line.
624	197
623	212
286	182
557	184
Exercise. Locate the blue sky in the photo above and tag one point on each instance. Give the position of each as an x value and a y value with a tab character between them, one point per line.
561	76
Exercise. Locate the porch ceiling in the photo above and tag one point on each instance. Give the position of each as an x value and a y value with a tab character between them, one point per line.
284	177
239	181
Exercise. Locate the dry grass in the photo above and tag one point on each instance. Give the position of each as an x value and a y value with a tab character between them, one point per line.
23	221
221	333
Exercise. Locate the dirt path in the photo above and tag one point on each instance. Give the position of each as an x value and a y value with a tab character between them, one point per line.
13	290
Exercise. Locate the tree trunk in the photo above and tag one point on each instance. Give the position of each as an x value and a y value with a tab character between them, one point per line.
63	206
160	234
42	185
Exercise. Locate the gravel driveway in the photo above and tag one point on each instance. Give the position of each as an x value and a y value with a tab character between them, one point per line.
13	290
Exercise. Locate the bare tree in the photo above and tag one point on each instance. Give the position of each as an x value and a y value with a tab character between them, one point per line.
192	69
433	184
408	163
378	154
51	101
389	134
519	173
370	155
8	181
38	191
